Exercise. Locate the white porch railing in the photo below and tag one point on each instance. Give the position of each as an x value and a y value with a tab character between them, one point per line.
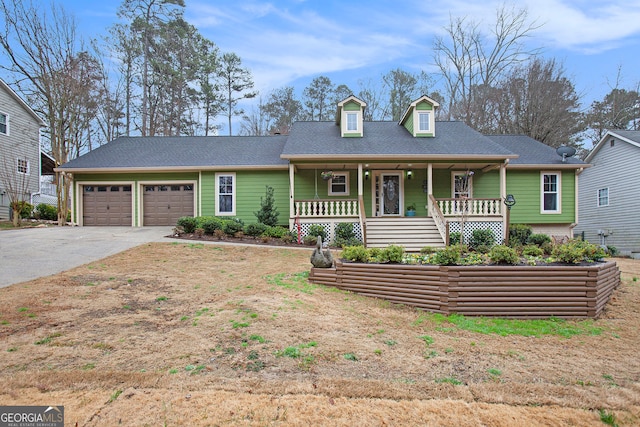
470	207
438	218
326	208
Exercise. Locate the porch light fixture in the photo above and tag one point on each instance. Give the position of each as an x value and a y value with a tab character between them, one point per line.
409	174
366	174
509	201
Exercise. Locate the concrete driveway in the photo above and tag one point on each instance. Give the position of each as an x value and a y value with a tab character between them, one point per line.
30	253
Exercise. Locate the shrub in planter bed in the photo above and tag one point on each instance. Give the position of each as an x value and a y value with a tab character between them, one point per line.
502	254
316	230
46	212
355	254
254	230
538	239
483	237
577	251
188	224
518	234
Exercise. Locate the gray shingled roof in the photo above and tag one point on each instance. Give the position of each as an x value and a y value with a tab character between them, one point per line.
389	138
183	151
531	151
633	135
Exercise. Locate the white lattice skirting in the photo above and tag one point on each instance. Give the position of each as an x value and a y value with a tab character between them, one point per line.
329	228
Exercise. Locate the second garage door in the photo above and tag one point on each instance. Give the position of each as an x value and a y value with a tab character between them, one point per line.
164	204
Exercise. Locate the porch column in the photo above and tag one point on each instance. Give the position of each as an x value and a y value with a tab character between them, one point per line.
503	194
360	183
291	190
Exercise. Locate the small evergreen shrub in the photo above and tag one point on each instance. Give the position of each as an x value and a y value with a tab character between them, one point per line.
538	239
577	251
613	251
46	212
518	234
254	230
209	224
501	254
231	227
450	255
275	232
454	238
268	213
392	254
310	240
427	250
483	237
483	249
188	224
26	211
316	230
532	250
345	236
355	254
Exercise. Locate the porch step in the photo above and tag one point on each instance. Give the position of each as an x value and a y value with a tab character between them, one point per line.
411	233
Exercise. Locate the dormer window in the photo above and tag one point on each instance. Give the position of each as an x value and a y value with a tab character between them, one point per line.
349	117
424	120
352	122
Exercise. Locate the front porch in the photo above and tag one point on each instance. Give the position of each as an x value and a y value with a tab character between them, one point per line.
444	216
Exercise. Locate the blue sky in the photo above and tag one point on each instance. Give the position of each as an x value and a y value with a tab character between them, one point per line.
290	42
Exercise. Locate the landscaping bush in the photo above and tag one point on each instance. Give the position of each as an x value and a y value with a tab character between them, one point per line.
231	227
345	236
576	251
310	240
355	254
188	223
483	237
268	213
447	256
46	212
209	224
26	211
532	250
538	239
275	232
518	234
501	254
316	230
454	238
391	253
254	230
613	251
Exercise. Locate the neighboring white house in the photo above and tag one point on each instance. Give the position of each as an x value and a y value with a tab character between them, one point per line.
19	148
609	193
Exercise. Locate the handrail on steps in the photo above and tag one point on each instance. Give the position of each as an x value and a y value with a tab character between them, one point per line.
441	223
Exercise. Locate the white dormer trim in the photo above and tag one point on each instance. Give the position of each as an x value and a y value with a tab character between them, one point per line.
421	122
351	120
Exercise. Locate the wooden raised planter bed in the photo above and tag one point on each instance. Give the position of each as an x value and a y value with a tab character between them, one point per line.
482	290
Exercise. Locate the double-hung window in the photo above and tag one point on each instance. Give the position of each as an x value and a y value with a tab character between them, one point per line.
225	194
424	122
550	182
352	122
603	197
339	184
4	124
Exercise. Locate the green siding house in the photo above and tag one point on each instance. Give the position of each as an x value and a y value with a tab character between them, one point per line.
410	183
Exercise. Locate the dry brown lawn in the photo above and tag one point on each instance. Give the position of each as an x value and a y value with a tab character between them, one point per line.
186	334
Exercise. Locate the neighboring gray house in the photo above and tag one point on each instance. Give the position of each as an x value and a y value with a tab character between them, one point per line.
19	148
609	194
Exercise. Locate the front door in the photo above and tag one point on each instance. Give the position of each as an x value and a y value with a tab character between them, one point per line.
388	194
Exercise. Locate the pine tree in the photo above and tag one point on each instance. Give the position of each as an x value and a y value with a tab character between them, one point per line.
268	213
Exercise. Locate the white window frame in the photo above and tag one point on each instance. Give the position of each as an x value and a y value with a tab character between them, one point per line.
602	198
233	193
427	115
6	123
455	174
558	192
331	190
352	121
23	164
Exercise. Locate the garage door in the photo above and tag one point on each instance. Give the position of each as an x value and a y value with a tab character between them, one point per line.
164	204
106	205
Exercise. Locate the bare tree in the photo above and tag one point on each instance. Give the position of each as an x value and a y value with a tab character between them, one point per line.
47	59
469	60
282	109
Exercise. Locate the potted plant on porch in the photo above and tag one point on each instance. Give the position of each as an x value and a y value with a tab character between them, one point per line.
411	210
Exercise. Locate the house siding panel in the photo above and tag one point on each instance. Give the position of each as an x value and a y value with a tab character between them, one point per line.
22	141
614	168
251	187
527	194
